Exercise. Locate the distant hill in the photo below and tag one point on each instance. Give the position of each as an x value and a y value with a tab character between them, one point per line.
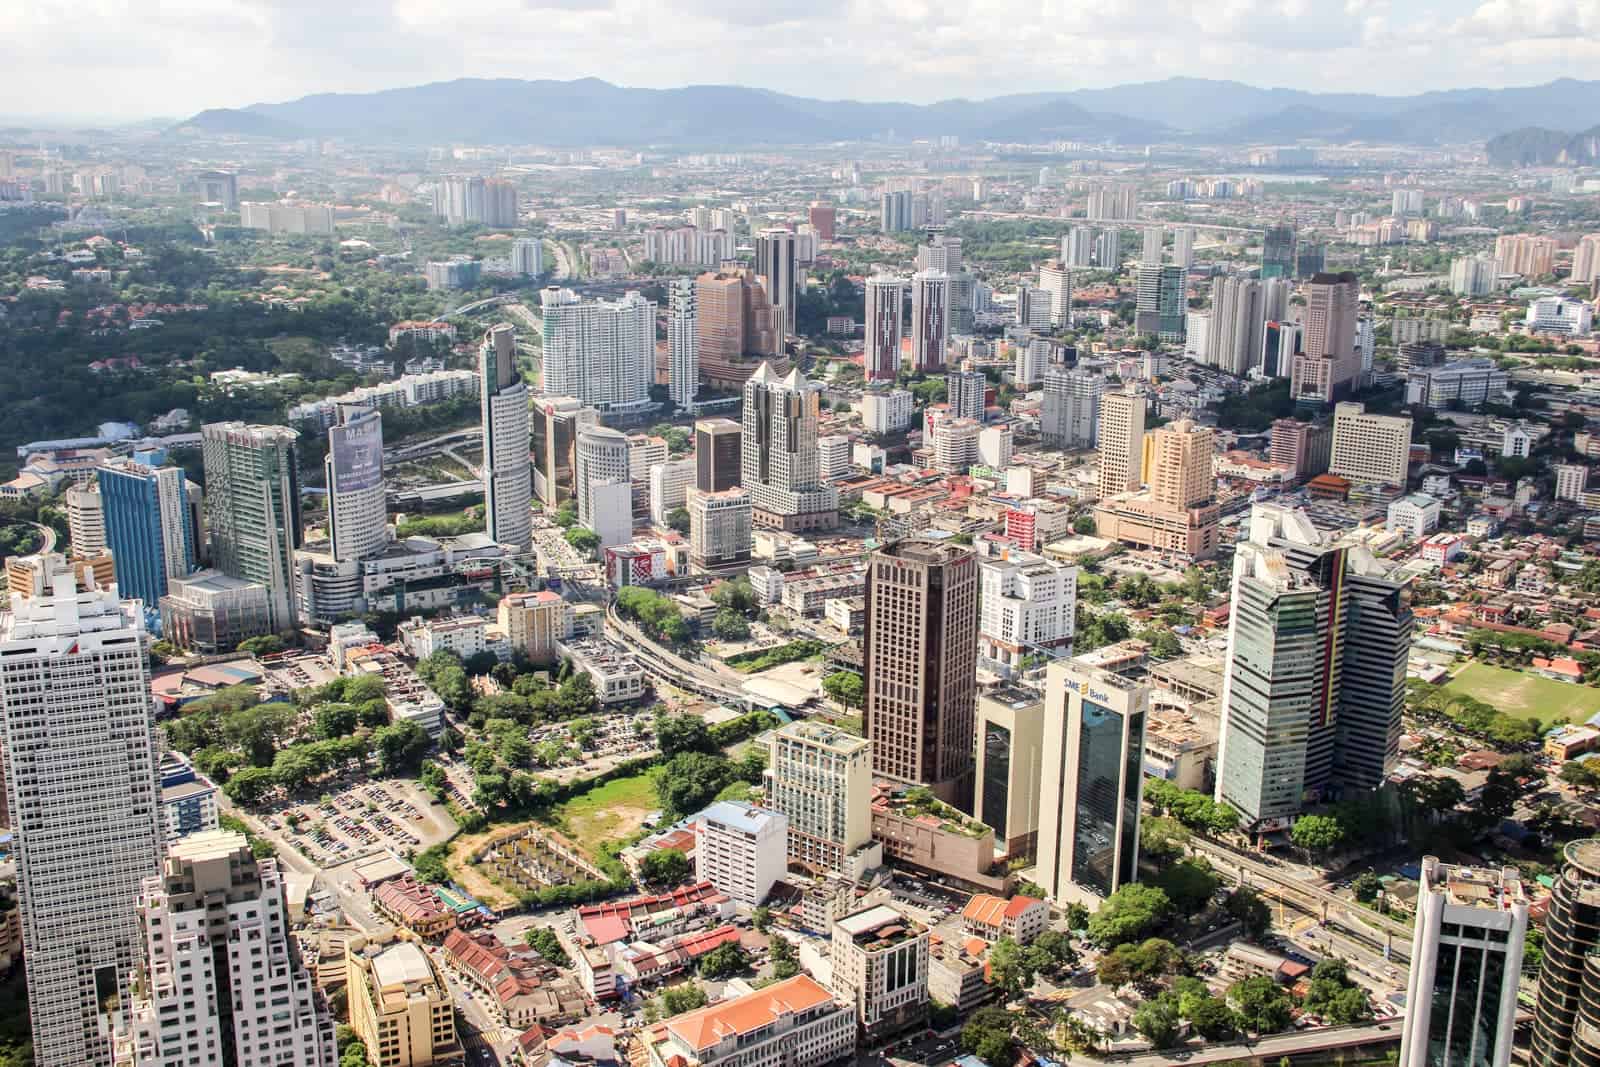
1534	146
591	111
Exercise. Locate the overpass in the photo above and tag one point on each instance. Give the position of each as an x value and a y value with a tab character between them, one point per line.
1269	1050
670	666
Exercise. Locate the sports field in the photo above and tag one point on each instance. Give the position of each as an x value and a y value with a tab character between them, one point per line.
1524	694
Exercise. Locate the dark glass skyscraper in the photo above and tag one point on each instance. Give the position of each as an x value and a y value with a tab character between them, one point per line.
1277	252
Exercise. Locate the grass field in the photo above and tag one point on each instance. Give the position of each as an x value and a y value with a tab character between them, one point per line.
1524	694
614	810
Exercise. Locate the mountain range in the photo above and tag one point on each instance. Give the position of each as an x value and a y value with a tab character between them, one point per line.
593	112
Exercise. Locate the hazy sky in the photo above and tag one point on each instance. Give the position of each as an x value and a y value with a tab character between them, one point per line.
139	58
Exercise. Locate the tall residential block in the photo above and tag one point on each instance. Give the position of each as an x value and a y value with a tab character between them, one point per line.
357	510
884	326
930	319
779	464
718	452
1466	965
1094	724
221	980
821	778
80	780
683	344
1121	434
507	472
253	509
146	523
1370	448
1325	373
86	521
1070	411
742	849
602	465
1028	606
1161	301
1237	321
1566	1014
920	664
964	390
720	527
603	352
778	268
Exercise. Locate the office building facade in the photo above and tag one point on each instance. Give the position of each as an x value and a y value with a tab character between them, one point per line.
556	422
1009	772
779	466
1028	606
1326	371
507	472
147	525
720	527
1121	441
718	453
778	267
1161	302
358	519
1567	1009
1370	448
1277	252
602	462
253	509
820	778
879	963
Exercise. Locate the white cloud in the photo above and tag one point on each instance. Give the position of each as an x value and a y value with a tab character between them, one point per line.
133	58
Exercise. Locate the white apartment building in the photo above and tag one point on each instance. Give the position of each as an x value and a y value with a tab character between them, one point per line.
833	456
527	256
1415	515
955	445
1056	280
603	459
1572	480
463	635
683	344
86	521
719	527
792	1023
1370	448
507	473
358	514
220	982
80	779
996	445
820	778
670	483
1026	604
1474	275
880	964
742	849
602	352
888	411
1554	314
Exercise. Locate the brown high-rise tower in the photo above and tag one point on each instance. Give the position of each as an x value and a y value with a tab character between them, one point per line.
920	665
717	454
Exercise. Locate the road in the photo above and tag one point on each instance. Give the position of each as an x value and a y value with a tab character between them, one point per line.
718	685
1269	1049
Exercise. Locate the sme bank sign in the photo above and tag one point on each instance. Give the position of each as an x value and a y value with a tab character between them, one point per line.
1088	692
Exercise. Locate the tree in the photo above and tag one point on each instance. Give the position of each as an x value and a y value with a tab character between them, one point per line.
683	733
737	595
987	1035
430	866
1317	833
1158	1022
1077	915
665	867
1010	968
1262	1004
335	720
1052	952
761	918
724	961
846	687
1213	1019
1139	965
729	625
1579	775
249	784
545	941
1366	887
678	519
582	539
400	747
1334	996
678	999
1250	911
785	963
1188	883
1163	839
1083	524
1128	914
266	645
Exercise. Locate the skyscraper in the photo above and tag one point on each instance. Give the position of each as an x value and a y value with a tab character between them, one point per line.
253	509
556	422
147	526
1277	252
1183	247
964	391
1310	258
1028	604
1569	976
738	328
930	321
1154	236
1325	372
1077	247
821	778
1370	448
779	270
885	308
1056	280
1466	960
1176	515
1161	301
1378	629
603	352
683	344
1237	323
603	462
822	216
507	473
1108	249
86	521
1094	724
894	211
920	664
200	988
719	528
1121	435
80	779
527	256
357	512
779	464
717	455
1070	411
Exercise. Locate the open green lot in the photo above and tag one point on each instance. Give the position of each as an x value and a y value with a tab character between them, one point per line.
610	812
1525	694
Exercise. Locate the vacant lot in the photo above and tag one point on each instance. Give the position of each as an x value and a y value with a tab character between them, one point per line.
1524	694
610	812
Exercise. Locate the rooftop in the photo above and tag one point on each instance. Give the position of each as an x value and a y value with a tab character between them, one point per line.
746	817
705	1027
401	963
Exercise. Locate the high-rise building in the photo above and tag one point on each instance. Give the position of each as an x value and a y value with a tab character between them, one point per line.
507	473
964	393
742	849
527	256
147	526
400	1005
1121	440
823	219
879	963
1070	410
460	200
1586	259
1056	281
1154	237
920	664
1237	323
884	329
1466	963
253	509
1304	446
533	622
886	410
1108	249
1032	356
86	521
1310	258
602	461
80	780
820	777
556	422
942	252
930	320
221	980
717	454
219	187
779	271
1328	369
1009	776
894	211
1525	254
779	462
1474	275
1161	301
603	352
670	482
719	528
1094	724
683	345
955	444
1370	448
1277	252
738	328
1308	698
1028	604
1077	247
1112	202
1183	246
1176	514
357	512
1568	1006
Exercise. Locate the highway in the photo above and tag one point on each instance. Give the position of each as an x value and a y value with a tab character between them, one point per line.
671	667
1270	1049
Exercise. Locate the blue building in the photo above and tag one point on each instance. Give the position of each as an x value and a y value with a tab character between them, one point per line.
150	526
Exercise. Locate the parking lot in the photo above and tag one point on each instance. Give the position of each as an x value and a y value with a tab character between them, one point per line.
390	814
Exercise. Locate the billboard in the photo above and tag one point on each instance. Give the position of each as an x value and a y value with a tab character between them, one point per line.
357	451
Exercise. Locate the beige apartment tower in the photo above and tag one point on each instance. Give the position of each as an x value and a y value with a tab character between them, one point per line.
821	778
1121	442
1370	448
920	665
400	1007
1178	465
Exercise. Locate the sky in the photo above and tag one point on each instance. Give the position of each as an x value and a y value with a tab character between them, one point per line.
134	59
